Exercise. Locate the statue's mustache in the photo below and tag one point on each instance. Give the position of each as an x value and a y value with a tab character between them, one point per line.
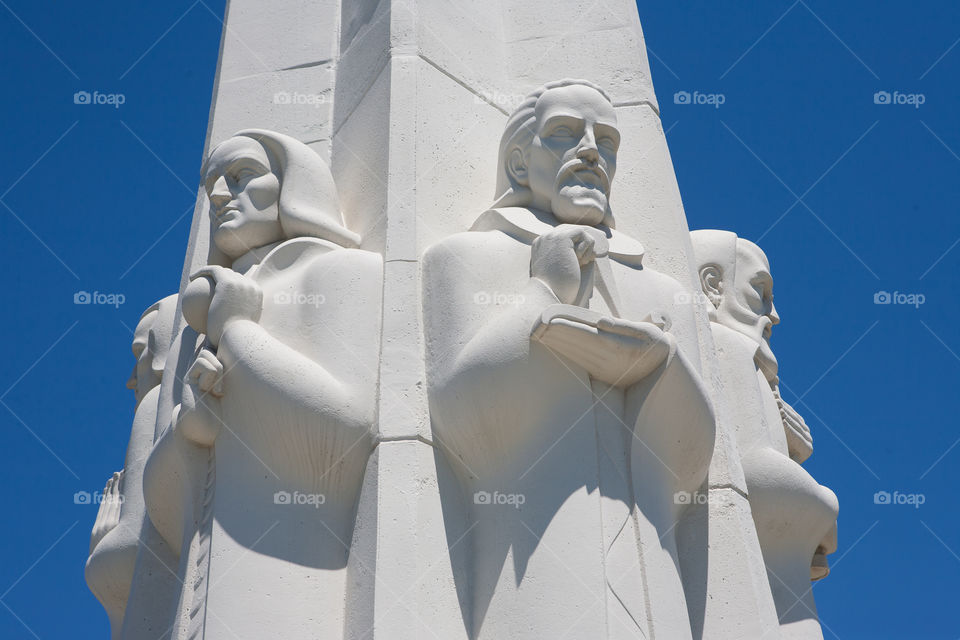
569	170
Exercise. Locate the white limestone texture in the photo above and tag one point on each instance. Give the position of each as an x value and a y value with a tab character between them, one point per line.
429	375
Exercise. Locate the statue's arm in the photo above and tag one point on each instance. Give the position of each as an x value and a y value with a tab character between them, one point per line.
478	296
253	367
247	349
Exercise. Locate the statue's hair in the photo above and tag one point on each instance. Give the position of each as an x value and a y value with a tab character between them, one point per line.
309	204
719	249
148	311
519	132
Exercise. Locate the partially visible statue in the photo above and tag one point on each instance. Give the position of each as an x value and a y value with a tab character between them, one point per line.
117	531
794	515
563	388
282	390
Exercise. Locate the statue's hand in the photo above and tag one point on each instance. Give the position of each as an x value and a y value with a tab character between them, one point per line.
235	297
639	347
207	373
616	351
197	417
557	258
108	515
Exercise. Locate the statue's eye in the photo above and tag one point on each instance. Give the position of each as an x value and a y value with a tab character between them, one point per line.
607	143
562	132
245	174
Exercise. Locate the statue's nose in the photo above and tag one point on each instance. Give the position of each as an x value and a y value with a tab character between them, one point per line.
220	194
132	380
774	316
587	151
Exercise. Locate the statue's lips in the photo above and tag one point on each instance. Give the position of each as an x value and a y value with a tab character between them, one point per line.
767	328
227	215
579	174
589	178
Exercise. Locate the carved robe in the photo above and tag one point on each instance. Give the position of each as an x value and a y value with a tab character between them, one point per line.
793	513
571	480
295	431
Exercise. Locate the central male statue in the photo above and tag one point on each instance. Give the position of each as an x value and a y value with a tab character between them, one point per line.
563	387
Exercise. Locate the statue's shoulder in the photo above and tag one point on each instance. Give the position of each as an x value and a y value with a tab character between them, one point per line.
470	245
306	255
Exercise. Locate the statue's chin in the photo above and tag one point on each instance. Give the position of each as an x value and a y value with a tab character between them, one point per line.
584	209
235	242
228	242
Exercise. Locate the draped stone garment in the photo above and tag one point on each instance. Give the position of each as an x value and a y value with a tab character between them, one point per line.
590	552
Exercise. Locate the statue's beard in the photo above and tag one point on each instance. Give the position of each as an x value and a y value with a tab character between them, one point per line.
766	361
580	193
577	204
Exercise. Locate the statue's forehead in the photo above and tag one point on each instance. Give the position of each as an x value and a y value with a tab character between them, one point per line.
232	150
576	101
143	327
751	259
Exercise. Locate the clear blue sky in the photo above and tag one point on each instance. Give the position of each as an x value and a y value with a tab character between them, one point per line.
848	197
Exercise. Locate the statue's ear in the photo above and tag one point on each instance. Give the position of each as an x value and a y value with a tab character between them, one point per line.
517	168
711	281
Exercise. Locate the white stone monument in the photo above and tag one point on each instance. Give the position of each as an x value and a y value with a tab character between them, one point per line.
430	375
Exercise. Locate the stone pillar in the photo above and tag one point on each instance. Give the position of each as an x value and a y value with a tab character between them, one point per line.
407	99
415	139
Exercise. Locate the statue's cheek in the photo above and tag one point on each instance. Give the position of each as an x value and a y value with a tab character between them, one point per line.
263	192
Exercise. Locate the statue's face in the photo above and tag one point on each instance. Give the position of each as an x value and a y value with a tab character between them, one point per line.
747	303
244	197
143	378
573	156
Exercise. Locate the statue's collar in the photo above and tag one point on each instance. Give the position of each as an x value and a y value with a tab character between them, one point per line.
277	256
252	258
526	225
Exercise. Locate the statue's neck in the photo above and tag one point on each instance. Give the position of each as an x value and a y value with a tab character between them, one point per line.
254	257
